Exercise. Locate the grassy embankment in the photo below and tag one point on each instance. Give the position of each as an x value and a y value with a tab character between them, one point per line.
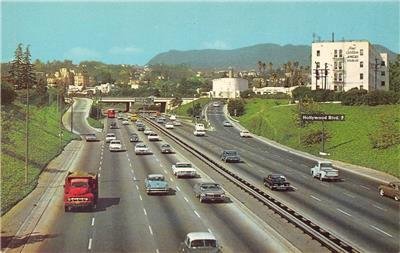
95	123
44	145
182	110
349	140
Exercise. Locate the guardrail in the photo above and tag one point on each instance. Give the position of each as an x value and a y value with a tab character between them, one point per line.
327	239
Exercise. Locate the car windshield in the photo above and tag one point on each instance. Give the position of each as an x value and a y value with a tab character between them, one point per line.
326	165
110	135
183	165
116	142
165	146
210	187
231	153
79	184
203	243
140	146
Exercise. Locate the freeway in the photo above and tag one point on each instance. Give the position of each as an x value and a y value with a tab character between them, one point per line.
352	208
128	220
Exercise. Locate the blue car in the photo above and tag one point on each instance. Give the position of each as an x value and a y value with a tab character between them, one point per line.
156	184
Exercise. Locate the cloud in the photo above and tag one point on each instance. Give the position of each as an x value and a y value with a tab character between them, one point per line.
81	53
218	44
125	50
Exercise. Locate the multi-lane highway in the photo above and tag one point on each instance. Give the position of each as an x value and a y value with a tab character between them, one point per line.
128	220
352	208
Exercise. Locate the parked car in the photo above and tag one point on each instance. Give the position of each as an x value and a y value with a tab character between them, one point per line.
200	242
227	124
142	149
391	189
153	137
141	127
173	117
91	137
113	125
216	104
166	149
155	183
183	169
169	125
110	137
324	171
209	191
134	138
277	182
245	134
160	120
125	122
230	156
115	145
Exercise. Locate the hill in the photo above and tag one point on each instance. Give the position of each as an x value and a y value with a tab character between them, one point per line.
242	58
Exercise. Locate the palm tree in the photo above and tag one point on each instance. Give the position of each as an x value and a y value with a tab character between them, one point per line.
259	67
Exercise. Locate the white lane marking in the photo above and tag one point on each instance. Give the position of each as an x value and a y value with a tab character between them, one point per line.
261	171
186	199
127	155
351	196
140	197
151	231
171	179
380	230
134	179
101	157
344	212
90	244
130	165
129	160
160	165
131	171
144	210
93	221
364	187
99	168
315	198
137	187
209	230
157	251
101	162
198	215
157	159
165	171
379	207
294	187
99	174
178	188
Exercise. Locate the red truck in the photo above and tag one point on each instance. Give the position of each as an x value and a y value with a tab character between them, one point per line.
81	189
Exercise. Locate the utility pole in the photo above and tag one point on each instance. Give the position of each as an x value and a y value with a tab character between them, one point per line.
27	134
376	73
316	74
72	115
325	74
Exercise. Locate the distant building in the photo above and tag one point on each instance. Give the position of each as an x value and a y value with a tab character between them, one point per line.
229	87
81	80
348	64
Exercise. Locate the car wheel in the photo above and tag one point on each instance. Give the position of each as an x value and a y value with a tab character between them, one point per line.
201	200
381	192
320	177
396	198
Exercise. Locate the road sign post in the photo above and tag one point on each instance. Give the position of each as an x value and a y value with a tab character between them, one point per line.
323	117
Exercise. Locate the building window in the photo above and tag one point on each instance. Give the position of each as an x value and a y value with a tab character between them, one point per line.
383	73
340	53
335	88
383	83
335	65
317	63
317	87
383	63
361	51
340	77
361	64
361	76
335	77
335	53
361	87
340	65
318	52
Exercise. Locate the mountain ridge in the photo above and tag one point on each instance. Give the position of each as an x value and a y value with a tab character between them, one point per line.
244	57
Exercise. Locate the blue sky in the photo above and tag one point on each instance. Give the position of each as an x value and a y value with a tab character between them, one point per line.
133	32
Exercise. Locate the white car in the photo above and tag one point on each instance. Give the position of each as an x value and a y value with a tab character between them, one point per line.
227	124
110	137
245	133
200	242
115	145
142	149
169	125
153	137
173	117
183	169
147	131
125	122
176	123
216	104
199	132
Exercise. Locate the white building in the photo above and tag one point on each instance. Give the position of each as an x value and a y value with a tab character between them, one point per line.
349	64
229	87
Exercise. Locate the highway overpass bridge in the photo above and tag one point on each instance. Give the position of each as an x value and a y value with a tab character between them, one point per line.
163	103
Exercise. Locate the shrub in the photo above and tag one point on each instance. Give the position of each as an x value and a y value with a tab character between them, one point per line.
378	97
353	97
236	107
323	95
301	92
315	138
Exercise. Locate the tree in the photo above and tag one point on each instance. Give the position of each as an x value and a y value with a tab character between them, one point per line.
15	71
394	75
28	76
8	94
236	107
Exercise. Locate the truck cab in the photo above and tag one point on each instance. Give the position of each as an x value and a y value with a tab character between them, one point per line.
200	242
324	170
